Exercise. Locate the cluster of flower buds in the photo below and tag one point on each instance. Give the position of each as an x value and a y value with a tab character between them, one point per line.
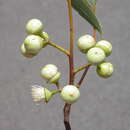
49	72
36	39
96	53
33	43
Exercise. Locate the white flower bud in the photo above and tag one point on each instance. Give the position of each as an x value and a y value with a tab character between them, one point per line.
105	69
85	43
33	44
106	46
50	73
55	78
70	94
34	26
95	55
25	53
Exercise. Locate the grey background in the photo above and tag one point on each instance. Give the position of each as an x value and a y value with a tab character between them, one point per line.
104	104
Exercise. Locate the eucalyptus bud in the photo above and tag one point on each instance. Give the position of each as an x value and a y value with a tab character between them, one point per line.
70	94
25	53
33	44
85	43
55	79
105	69
106	46
50	73
95	55
40	94
34	26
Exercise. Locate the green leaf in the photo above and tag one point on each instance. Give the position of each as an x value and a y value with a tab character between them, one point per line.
92	2
84	9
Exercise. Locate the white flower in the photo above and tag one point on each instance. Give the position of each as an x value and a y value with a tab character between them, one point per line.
39	93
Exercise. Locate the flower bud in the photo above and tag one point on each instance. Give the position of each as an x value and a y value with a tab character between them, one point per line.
40	94
105	69
95	55
33	44
85	43
55	78
34	26
106	46
25	53
50	73
70	94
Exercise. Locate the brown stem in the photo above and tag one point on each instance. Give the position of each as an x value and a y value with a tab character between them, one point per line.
94	30
83	76
94	33
67	106
71	59
66	111
81	68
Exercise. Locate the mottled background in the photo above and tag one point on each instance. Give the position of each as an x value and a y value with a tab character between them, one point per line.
104	104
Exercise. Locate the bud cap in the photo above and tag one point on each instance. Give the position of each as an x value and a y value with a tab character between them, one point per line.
70	94
106	46
105	69
49	71
33	44
95	55
25	53
34	26
85	43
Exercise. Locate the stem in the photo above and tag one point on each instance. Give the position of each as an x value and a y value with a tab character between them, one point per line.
59	48
94	33
71	59
83	76
66	111
94	30
58	86
67	107
55	92
81	68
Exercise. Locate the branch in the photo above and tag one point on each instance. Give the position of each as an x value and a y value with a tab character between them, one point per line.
58	86
66	111
59	48
81	68
67	107
71	59
83	76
